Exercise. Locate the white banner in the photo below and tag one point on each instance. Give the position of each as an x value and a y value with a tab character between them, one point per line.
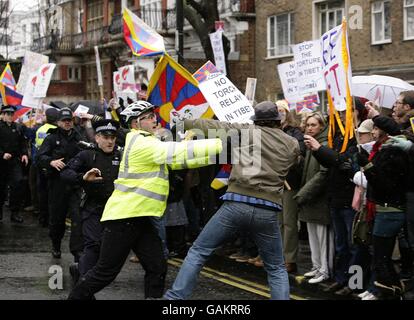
28	97
117	82
44	75
309	67
227	102
334	66
98	66
128	77
31	63
216	39
288	79
250	91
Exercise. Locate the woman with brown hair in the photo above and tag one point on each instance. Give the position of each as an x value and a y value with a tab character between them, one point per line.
312	199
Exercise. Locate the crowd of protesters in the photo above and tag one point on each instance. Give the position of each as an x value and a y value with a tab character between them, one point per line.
92	171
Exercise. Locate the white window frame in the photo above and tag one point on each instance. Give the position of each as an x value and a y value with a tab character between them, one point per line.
406	7
317	11
383	41
290	30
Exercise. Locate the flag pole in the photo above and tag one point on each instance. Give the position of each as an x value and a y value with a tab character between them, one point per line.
99	72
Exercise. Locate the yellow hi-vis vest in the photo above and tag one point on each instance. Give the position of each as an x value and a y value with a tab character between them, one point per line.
142	186
41	133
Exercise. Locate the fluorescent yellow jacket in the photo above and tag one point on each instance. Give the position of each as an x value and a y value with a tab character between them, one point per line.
41	133
142	185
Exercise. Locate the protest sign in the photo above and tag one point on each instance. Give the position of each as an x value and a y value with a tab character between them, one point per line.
250	92
216	39
31	63
127	77
81	109
227	102
336	75
288	79
42	81
29	100
309	67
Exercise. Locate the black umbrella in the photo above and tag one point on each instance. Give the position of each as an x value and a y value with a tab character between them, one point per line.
58	104
95	107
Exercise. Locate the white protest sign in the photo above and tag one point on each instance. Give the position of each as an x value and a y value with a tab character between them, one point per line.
288	79
31	63
309	67
334	66
117	81
250	91
81	109
98	66
216	39
44	75
227	102
29	100
127	77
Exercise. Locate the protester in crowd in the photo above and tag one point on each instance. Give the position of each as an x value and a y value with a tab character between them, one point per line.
13	155
386	170
342	167
57	149
289	216
140	193
312	199
95	170
251	204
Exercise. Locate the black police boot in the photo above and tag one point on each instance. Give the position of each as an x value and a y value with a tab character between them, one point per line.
56	250
15	217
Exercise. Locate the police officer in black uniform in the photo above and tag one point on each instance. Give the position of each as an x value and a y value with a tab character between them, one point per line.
95	170
13	153
59	147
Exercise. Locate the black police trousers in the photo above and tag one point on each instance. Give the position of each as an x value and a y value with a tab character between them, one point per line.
92	230
11	174
64	202
119	237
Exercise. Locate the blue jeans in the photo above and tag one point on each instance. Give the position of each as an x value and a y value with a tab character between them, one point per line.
346	253
231	219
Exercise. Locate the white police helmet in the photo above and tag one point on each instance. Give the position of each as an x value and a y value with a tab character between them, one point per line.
135	109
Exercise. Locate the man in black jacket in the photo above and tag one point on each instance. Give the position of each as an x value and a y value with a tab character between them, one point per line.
13	152
56	151
95	170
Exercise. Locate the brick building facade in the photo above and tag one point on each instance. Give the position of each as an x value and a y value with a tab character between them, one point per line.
377	40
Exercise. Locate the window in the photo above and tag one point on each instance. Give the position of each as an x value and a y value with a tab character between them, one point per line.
24	32
35	30
95	15
74	73
330	15
280	35
408	19
381	22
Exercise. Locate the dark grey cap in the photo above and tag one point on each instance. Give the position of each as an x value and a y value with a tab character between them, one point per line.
266	110
65	113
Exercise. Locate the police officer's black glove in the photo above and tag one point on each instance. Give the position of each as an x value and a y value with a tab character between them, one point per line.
345	165
362	158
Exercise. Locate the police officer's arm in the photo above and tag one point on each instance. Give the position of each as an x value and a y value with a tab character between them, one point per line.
75	169
205	124
44	155
185	154
23	147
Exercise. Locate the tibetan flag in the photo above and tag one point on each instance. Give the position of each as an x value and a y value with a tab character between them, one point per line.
142	40
7	78
10	97
222	178
175	91
24	114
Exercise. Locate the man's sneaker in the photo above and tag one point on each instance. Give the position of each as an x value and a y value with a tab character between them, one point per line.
319	277
363	294
311	273
370	296
236	255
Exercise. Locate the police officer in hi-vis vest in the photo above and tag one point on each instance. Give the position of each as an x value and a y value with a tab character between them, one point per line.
141	192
